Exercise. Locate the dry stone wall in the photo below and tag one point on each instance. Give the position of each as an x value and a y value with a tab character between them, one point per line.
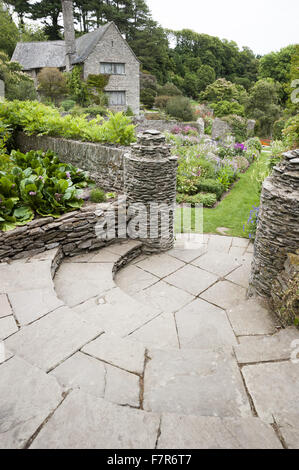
105	163
74	232
278	228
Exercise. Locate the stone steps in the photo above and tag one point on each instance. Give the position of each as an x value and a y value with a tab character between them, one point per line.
107	385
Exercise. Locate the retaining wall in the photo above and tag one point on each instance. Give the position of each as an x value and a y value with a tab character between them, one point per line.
104	163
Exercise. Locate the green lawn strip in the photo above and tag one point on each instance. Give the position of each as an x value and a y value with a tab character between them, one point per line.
233	211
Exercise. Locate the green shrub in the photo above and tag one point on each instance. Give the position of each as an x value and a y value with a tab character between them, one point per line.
97	195
161	101
36	118
96	110
207	200
147	97
169	89
278	127
129	112
52	83
291	132
225	108
180	108
77	87
254	143
38	183
18	85
67	104
210	186
238	126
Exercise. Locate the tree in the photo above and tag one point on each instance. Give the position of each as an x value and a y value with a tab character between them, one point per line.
205	76
21	8
18	85
223	90
52	83
9	33
48	13
263	105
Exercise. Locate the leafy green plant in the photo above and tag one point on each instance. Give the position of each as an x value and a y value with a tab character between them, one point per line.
67	104
210	186
207	199
97	195
36	118
180	108
37	183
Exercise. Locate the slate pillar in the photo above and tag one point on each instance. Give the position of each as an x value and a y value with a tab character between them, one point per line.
150	187
278	227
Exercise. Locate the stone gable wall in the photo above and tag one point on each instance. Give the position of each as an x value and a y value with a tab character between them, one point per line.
113	48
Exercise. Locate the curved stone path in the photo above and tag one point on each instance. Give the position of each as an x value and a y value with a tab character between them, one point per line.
130	351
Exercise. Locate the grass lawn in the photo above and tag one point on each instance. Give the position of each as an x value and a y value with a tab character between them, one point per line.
233	211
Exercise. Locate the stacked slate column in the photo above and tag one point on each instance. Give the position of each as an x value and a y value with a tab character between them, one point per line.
150	186
278	228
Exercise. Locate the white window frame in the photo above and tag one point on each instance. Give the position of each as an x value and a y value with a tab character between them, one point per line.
113	68
121	100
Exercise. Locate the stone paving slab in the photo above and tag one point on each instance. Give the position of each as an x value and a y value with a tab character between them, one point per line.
274	388
253	349
122	388
30	305
191	279
240	242
158	333
249	317
5	308
241	275
53	338
218	263
122	353
122	248
202	326
27	397
194	432
85	422
225	294
160	265
8	327
188	255
102	256
164	297
202	383
288	425
117	313
221	244
6	356
133	279
84	372
21	276
78	282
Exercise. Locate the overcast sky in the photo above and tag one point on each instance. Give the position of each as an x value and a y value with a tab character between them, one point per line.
262	25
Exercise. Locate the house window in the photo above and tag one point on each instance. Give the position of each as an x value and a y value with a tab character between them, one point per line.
112	68
116	98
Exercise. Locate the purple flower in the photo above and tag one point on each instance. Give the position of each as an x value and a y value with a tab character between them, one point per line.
68	175
32	193
13	186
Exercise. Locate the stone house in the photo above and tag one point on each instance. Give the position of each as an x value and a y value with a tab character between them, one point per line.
103	50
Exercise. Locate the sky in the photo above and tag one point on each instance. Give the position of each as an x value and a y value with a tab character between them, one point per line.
262	25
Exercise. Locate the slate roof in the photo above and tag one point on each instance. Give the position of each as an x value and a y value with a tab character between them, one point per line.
36	55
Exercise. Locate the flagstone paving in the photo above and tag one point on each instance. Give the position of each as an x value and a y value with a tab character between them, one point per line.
166	353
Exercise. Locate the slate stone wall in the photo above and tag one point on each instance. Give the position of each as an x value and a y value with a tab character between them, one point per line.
75	232
104	163
278	228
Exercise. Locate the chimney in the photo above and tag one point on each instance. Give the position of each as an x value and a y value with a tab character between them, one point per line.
69	32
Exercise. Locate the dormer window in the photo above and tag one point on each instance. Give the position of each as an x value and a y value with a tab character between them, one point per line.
112	68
